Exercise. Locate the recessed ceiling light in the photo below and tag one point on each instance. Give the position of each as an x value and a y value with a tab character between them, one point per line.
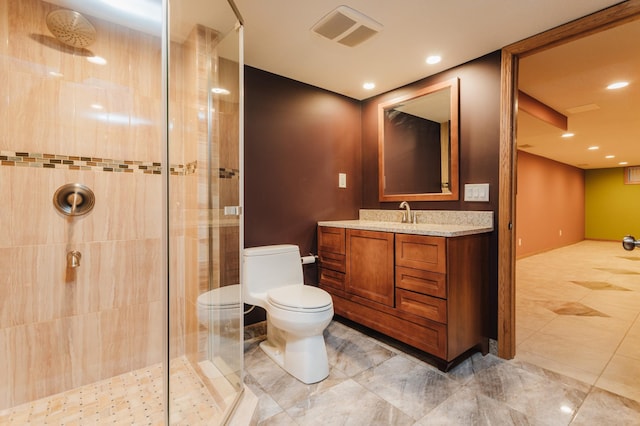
566	409
568	135
623	163
593	148
369	85
433	59
220	91
618	85
98	60
610	156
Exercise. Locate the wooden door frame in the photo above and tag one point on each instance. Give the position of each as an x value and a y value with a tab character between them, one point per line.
608	18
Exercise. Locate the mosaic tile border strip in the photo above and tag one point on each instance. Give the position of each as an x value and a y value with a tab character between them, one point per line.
228	173
183	169
72	162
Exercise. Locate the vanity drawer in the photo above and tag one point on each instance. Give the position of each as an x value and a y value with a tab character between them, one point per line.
419	281
331	239
428	307
331	279
421	252
333	261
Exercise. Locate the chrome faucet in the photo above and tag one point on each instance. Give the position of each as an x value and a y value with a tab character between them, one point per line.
407	217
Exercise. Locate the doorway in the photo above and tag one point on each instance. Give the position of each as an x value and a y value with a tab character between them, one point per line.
608	18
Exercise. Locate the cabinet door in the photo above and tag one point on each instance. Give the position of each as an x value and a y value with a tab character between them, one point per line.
421	252
331	239
370	265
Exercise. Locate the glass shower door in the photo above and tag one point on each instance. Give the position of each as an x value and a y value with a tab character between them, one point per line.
82	308
205	69
101	319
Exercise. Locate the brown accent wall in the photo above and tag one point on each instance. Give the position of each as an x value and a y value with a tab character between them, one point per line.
550	205
297	139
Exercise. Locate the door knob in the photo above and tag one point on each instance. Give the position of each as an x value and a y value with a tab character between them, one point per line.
629	243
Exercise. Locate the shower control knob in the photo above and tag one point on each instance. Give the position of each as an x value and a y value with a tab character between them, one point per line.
629	243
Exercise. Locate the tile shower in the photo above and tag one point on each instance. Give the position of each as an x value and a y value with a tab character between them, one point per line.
157	214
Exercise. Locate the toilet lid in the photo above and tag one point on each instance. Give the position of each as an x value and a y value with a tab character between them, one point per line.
300	298
222	297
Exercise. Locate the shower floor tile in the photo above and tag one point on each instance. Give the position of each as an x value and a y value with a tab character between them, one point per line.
131	398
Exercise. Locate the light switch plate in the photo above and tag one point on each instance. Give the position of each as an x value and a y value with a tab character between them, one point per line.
475	192
342	180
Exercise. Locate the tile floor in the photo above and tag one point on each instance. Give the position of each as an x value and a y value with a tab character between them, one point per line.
578	313
373	383
134	398
578	363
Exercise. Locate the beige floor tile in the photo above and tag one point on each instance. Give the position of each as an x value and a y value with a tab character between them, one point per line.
567	352
630	347
622	376
130	398
533	315
634	330
522	334
624	304
557	366
595	333
595	349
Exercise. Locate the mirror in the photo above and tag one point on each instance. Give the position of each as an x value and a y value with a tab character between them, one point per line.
418	145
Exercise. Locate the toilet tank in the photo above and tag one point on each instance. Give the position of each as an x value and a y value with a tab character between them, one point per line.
269	267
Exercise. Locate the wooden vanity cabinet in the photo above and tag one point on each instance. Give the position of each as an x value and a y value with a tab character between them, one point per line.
443	280
331	257
425	291
369	264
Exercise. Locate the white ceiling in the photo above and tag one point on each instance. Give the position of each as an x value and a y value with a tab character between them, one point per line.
278	37
574	76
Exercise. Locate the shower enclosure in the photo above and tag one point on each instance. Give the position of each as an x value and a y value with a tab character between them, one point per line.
133	106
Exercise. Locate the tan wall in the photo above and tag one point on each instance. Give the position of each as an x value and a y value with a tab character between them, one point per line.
61	328
550	205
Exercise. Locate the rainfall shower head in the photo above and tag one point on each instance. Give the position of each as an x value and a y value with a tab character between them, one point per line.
71	28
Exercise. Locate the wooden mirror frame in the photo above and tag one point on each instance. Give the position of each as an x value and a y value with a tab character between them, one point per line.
453	85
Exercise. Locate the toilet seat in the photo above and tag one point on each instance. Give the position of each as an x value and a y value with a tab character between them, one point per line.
226	297
300	298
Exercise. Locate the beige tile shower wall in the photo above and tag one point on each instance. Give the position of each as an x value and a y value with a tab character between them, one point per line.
56	87
61	328
177	202
193	116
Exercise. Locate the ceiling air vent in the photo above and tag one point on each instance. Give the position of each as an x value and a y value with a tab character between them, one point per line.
347	26
632	175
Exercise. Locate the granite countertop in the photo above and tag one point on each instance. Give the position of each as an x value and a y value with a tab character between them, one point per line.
437	224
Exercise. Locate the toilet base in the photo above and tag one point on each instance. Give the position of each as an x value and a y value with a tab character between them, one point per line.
305	358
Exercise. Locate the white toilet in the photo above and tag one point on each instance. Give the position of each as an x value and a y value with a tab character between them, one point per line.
220	311
297	314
